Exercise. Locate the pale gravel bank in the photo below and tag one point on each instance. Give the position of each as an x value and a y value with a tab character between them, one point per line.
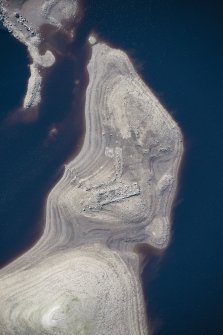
23	19
82	277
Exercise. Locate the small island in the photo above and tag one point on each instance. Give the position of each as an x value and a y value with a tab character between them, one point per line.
83	275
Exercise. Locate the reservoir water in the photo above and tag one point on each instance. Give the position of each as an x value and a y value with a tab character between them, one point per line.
177	48
33	152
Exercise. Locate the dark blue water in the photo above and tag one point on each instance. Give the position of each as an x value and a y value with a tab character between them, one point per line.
31	159
177	47
12	91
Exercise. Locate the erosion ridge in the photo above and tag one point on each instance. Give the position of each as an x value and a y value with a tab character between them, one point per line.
82	276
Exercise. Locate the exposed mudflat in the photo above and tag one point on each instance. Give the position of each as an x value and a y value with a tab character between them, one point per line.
83	277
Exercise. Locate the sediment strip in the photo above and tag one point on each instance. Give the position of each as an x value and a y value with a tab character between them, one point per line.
23	20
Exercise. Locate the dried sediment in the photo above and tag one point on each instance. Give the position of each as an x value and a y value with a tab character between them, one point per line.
86	291
23	19
82	277
125	175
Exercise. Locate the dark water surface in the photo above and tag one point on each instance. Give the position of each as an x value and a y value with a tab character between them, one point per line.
14	73
177	47
32	156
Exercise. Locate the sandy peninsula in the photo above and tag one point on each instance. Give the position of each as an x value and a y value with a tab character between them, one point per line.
24	19
83	275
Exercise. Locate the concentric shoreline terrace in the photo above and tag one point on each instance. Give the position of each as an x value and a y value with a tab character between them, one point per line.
83	277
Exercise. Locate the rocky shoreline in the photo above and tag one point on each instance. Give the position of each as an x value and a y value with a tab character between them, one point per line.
24	21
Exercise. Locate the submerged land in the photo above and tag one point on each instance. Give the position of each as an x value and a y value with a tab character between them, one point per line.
83	275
